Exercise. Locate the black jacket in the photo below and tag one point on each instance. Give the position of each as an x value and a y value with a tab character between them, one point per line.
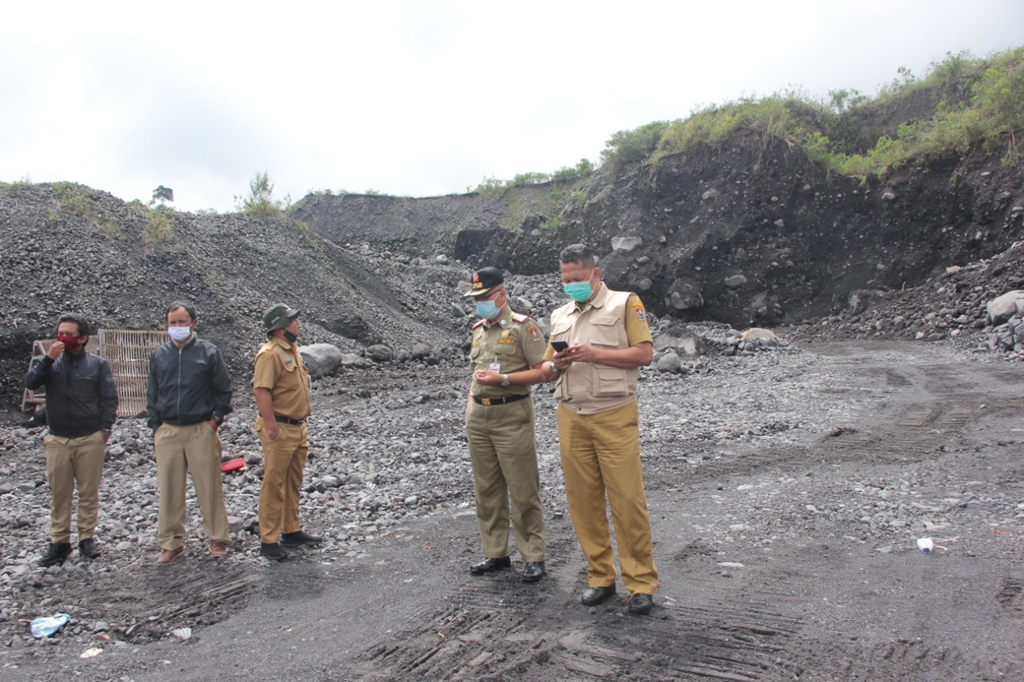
81	397
187	385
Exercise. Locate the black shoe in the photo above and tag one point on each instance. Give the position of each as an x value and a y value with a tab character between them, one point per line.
534	571
641	604
58	552
88	548
592	596
272	551
299	539
490	564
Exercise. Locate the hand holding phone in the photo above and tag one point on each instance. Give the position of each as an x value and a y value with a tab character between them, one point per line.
559	346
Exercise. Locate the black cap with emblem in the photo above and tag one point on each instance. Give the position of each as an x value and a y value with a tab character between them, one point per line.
484	280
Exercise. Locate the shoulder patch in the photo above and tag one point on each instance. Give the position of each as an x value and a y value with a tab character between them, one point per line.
520	317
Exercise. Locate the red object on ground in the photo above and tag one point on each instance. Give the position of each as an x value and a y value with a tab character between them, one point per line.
232	465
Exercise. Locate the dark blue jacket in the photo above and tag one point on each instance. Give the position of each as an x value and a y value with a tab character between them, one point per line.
81	397
187	385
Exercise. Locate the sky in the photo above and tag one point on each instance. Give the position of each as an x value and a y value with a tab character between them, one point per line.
418	98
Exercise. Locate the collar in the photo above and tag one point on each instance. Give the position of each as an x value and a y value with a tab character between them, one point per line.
281	341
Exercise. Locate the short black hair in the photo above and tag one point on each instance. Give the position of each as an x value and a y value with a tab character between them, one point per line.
578	253
84	328
187	307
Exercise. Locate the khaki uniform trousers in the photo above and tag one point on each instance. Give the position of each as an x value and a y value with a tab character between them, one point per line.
601	453
70	461
180	450
504	457
284	460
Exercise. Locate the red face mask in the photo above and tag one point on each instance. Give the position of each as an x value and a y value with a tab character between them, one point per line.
71	343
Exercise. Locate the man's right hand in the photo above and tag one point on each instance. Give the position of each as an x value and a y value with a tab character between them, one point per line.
56	348
272	430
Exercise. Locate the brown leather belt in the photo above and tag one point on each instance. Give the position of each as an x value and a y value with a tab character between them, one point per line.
499	401
286	420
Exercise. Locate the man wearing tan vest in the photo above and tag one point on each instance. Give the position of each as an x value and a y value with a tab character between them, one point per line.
599	340
598	434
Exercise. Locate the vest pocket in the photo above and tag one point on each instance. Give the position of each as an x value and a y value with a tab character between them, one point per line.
610	382
605	331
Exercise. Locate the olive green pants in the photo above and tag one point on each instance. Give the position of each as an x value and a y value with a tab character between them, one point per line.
71	461
601	455
504	457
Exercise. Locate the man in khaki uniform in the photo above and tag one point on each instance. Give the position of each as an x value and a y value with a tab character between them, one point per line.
499	429
609	340
81	406
281	388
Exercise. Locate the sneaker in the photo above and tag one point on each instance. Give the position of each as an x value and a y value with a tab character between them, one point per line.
169	556
218	548
57	553
299	539
88	548
272	551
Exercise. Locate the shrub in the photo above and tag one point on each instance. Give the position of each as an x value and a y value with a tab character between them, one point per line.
261	199
159	226
633	146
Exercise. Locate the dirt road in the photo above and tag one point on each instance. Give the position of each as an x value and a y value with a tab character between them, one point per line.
787	496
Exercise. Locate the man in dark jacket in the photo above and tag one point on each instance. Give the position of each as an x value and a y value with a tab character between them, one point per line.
188	396
81	406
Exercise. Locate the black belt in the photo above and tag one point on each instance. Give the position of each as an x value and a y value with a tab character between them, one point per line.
499	401
286	420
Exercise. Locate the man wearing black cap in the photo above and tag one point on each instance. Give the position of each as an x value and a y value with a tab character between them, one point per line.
281	388
499	429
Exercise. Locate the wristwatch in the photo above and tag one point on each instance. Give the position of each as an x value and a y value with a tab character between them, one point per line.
554	370
504	380
217	419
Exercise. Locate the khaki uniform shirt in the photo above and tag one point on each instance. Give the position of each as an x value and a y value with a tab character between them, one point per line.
511	342
610	319
280	368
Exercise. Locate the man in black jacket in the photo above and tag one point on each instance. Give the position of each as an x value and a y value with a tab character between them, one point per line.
188	396
81	406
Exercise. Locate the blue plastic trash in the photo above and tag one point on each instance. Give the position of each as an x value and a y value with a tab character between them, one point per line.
46	626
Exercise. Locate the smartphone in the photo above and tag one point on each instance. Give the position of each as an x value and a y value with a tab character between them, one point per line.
559	346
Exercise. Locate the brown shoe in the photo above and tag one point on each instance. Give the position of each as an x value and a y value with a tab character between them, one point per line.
170	555
218	548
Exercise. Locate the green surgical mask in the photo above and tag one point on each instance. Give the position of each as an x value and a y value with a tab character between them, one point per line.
578	291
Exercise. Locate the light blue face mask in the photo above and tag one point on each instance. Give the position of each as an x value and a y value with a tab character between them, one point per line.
179	334
578	291
486	309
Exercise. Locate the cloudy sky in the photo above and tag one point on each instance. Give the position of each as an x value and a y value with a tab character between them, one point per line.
418	98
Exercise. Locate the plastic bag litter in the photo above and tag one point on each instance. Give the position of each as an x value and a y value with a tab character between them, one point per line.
45	626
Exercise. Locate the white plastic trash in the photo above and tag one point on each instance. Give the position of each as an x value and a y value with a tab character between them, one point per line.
44	626
925	544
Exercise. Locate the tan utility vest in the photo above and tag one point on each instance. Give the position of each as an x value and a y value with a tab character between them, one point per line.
588	387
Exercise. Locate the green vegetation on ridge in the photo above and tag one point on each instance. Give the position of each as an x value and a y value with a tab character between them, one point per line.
977	106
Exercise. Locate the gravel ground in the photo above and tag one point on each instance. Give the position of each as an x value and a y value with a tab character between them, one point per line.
819	461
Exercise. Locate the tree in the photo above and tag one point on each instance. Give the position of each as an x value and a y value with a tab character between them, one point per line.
162	194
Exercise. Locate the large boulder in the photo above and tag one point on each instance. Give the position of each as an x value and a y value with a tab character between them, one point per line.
321	358
679	339
1004	307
